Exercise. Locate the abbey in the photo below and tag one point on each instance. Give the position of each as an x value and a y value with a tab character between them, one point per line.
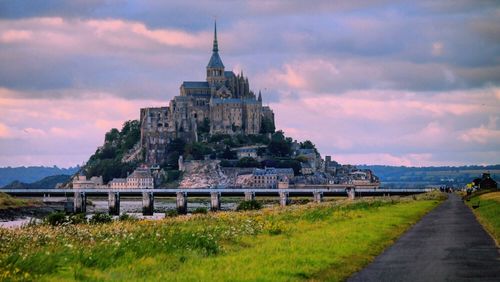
223	104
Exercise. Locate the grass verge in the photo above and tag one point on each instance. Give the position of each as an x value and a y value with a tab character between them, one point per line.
488	212
8	202
328	241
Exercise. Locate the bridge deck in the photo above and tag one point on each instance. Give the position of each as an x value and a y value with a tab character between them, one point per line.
207	192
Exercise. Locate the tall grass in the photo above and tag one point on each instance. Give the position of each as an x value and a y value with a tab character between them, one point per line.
326	241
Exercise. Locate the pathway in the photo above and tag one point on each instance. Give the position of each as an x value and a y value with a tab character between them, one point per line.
448	244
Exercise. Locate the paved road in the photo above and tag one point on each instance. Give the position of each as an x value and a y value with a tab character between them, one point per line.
448	244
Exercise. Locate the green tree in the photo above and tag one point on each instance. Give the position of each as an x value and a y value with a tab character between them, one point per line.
267	126
112	135
308	145
197	150
228	154
280	146
204	126
248	162
130	134
176	145
107	152
172	161
302	159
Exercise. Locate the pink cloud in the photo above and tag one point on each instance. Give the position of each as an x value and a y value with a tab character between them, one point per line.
96	36
482	134
5	132
385	125
11	36
300	76
63	133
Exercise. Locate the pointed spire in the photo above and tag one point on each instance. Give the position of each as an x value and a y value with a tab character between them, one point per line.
215	60
260	97
216	45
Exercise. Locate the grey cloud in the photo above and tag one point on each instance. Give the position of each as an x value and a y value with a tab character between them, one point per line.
386	49
26	8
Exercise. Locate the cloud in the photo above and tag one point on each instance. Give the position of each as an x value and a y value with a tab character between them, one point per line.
5	131
333	75
484	133
11	36
373	81
21	9
398	124
38	130
56	57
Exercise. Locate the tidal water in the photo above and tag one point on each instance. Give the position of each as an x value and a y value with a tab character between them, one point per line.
162	204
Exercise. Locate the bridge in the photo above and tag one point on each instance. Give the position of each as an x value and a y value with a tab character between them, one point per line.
80	195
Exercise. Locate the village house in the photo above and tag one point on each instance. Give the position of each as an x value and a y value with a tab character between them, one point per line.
270	176
306	169
141	178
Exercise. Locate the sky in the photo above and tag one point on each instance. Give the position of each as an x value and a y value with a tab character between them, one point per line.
414	83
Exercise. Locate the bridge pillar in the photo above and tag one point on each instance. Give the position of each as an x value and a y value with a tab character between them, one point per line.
351	193
148	201
182	202
249	195
318	196
114	203
283	198
214	201
80	202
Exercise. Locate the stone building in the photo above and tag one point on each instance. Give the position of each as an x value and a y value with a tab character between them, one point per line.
141	178
81	182
224	101
246	152
269	177
485	182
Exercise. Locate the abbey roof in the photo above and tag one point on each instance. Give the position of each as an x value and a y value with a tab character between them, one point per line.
195	84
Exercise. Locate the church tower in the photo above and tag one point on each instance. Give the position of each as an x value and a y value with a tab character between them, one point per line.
215	67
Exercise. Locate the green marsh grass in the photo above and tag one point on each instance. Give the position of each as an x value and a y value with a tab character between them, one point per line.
8	202
328	241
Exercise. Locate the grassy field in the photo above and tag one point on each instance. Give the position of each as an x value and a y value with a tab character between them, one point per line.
488	212
7	202
329	241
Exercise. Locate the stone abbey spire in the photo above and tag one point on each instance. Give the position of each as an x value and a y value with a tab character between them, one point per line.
215	67
216	44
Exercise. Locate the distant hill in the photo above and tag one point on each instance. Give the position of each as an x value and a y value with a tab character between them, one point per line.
420	176
45	183
32	173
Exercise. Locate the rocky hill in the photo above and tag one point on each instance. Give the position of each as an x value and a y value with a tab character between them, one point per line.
210	173
119	155
203	174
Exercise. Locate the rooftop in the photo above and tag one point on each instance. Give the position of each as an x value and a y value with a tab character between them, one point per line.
272	170
140	173
195	84
215	61
233	101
